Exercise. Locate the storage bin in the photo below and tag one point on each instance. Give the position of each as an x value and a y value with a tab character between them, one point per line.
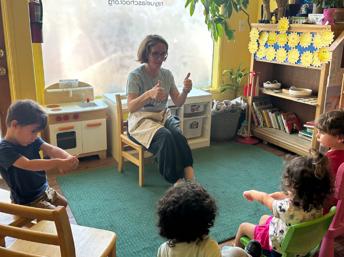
194	108
193	127
174	110
224	124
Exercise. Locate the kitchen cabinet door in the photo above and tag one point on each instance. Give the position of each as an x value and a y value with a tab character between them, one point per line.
67	136
94	135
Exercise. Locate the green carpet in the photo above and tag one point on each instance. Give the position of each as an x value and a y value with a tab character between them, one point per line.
106	199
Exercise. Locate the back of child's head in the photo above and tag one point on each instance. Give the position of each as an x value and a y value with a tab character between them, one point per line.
186	213
332	123
26	112
308	180
254	248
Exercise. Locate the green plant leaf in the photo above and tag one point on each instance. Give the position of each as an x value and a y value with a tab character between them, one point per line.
227	9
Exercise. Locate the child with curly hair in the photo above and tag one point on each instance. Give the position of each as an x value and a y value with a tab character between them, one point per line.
186	213
330	134
306	182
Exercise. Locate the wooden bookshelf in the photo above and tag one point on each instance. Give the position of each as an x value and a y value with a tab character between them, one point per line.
291	142
304	100
318	79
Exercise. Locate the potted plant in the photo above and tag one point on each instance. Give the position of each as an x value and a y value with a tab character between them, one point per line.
232	80
217	13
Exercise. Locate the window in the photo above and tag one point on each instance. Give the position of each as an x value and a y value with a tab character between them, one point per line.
96	41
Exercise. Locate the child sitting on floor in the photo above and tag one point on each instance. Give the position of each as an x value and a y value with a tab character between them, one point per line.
186	213
306	182
20	163
330	134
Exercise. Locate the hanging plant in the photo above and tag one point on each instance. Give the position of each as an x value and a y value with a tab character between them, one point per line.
217	13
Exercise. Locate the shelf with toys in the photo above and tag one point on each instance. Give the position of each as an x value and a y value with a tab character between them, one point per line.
305	58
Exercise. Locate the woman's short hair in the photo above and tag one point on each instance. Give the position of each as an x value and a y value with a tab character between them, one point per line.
146	46
26	112
186	213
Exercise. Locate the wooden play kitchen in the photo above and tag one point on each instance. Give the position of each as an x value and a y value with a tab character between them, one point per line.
318	83
76	122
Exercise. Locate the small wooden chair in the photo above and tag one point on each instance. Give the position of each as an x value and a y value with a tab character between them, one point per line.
53	235
337	226
135	153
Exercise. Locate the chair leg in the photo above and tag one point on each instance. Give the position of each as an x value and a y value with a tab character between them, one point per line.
141	168
120	161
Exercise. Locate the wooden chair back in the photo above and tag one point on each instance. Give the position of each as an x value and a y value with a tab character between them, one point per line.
337	226
128	149
63	237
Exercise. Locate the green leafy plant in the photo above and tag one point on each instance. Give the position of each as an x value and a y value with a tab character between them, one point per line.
329	3
217	13
234	78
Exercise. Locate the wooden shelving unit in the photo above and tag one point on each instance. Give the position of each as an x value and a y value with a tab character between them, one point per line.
320	79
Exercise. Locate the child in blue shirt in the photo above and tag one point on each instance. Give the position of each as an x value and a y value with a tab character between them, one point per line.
20	163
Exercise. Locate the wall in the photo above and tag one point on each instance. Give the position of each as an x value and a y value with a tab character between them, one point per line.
19	49
231	54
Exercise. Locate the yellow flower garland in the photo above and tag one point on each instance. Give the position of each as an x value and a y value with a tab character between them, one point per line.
293	39
307	58
283	24
293	56
282	39
261	52
252	47
270	53
324	55
281	55
305	39
317	41
272	38
254	34
316	61
327	37
263	37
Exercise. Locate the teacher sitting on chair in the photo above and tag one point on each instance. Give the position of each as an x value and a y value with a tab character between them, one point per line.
150	122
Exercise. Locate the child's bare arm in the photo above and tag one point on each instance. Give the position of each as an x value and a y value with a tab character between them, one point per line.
278	195
54	151
262	197
62	165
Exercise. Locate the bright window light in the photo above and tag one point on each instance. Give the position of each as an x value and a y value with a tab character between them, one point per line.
96	41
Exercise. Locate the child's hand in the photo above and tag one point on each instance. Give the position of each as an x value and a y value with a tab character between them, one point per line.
68	164
248	195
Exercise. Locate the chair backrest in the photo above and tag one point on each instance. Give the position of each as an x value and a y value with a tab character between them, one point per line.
306	236
119	114
63	237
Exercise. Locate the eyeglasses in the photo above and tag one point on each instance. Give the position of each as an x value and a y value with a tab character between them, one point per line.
159	55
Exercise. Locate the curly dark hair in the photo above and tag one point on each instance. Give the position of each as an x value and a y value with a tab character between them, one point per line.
186	213
308	179
146	45
332	123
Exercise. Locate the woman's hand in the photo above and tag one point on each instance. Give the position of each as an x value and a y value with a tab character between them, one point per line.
187	84
157	92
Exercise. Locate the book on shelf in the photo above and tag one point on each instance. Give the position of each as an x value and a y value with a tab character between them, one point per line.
305	137
291	122
259	104
306	133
